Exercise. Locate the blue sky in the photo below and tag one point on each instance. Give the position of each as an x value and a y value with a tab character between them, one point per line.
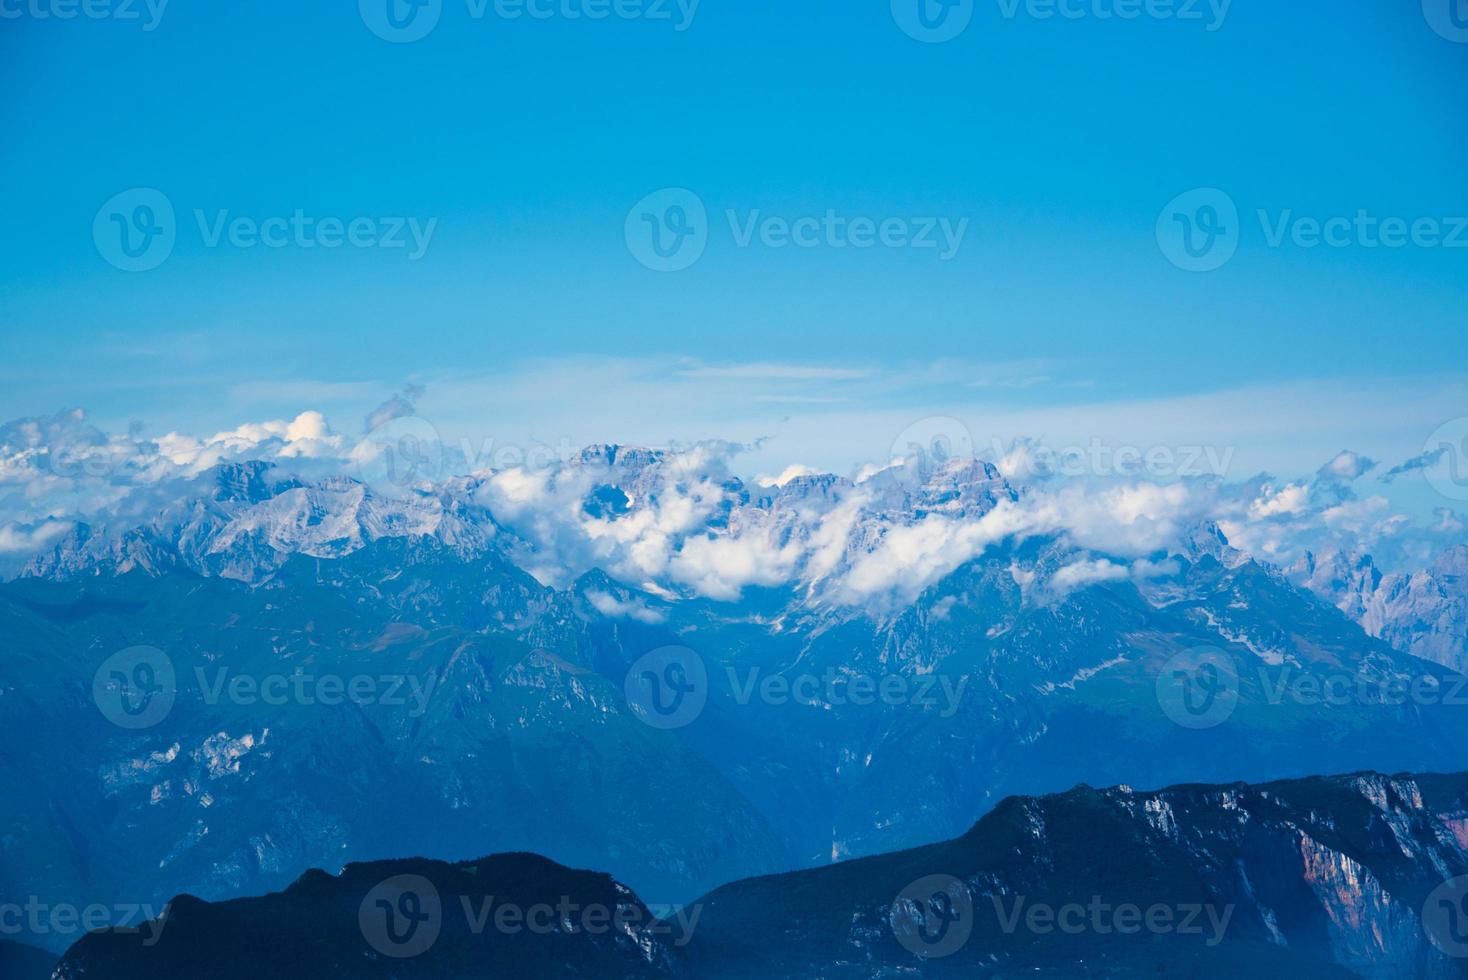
1057	141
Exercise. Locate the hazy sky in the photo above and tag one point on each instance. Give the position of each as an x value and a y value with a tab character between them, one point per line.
1042	156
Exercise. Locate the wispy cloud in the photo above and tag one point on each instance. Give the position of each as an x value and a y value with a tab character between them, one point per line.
1030	381
1419	462
769	371
399	405
802	399
306	393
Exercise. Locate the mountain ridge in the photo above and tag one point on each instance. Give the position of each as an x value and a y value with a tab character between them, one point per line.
1326	876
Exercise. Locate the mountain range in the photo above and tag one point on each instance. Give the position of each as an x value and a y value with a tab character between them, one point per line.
1422	612
636	664
1328	877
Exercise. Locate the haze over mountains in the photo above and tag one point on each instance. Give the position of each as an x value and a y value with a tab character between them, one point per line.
1349	876
701	678
678	521
1422	612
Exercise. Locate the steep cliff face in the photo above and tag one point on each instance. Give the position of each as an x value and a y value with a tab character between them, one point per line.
1423	612
1363	876
1342	876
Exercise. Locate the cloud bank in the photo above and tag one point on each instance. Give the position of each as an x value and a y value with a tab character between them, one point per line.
678	523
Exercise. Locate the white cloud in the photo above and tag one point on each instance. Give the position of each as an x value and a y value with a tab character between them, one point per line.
721	567
790	473
682	525
610	605
1291	499
1347	466
28	540
1079	574
912	557
1143	569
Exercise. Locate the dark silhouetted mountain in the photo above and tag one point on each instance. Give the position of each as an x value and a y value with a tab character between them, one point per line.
1320	877
21	962
513	915
1325	877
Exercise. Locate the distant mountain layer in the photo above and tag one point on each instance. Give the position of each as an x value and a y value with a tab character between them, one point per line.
496	715
346	672
1424	613
657	523
1326	877
21	962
